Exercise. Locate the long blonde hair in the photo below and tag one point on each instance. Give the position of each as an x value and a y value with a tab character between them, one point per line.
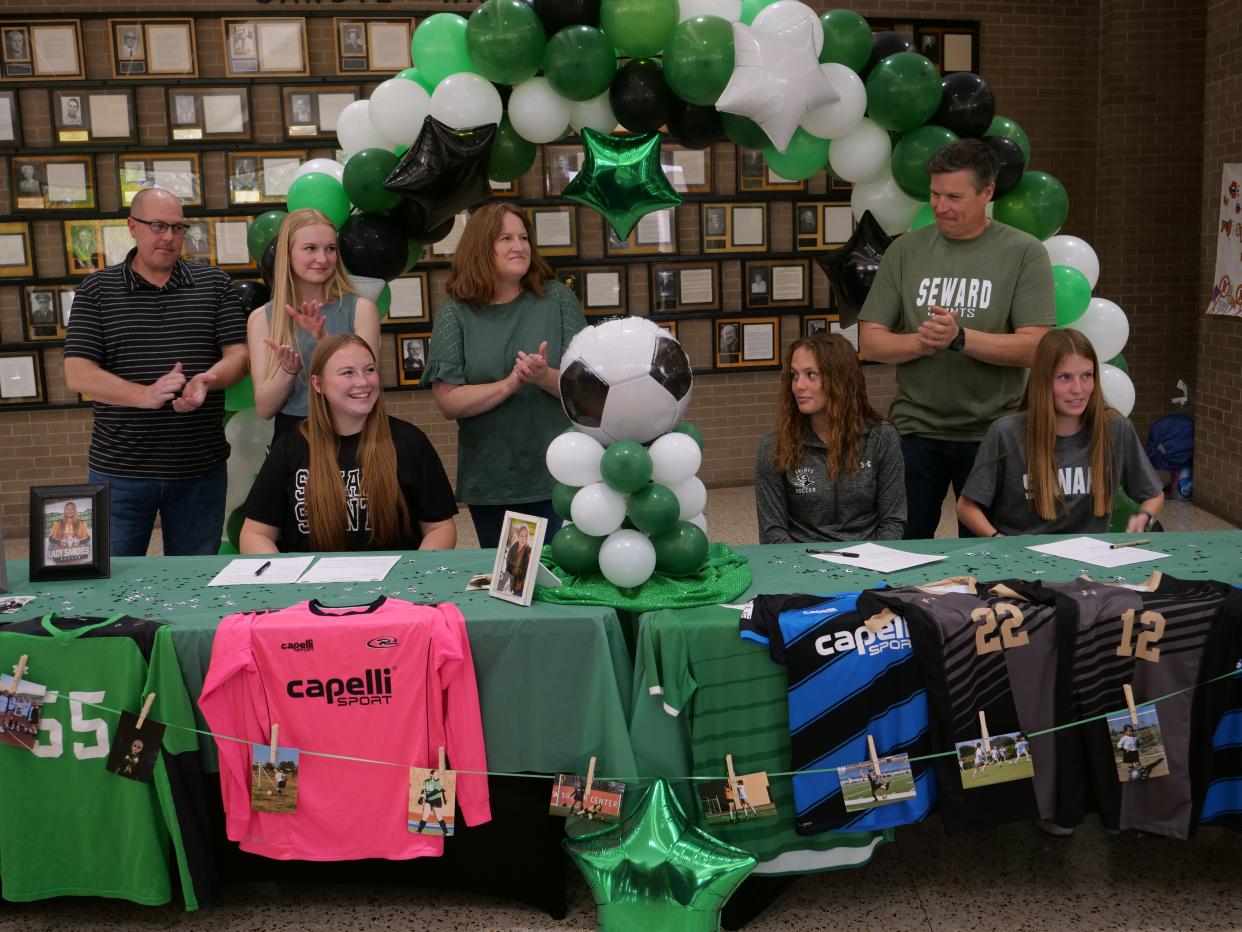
847	409
473	279
1047	497
377	460
285	287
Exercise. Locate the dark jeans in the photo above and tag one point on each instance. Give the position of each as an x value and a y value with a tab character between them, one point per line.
931	465
488	518
191	512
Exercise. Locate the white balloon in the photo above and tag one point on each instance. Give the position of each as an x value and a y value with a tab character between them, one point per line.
1076	253
597	509
861	154
464	100
1117	387
325	166
674	458
785	14
1106	326
891	206
538	113
730	10
249	436
691	496
573	458
369	288
398	108
840	118
355	131
627	558
699	521
595	114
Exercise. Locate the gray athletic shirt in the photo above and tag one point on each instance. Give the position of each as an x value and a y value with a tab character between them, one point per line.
999	480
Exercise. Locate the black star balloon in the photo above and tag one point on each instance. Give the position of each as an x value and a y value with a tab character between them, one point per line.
622	179
851	269
445	171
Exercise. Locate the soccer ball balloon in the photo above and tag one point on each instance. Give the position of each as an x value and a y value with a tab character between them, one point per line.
625	379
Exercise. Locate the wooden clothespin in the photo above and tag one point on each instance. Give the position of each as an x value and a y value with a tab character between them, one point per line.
18	672
729	771
271	757
146	710
586	793
442	760
1125	688
983	729
875	758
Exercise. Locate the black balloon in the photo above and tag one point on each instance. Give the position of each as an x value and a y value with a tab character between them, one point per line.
1012	165
694	127
851	269
557	14
373	245
252	294
884	44
967	104
445	171
640	96
267	265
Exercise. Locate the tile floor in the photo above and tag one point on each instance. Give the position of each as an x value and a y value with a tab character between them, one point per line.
1014	877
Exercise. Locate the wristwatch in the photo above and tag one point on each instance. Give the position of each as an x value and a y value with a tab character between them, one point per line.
959	341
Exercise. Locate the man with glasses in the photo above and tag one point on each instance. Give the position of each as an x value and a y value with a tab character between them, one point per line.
153	340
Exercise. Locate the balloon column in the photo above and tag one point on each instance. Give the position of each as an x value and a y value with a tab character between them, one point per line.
627	472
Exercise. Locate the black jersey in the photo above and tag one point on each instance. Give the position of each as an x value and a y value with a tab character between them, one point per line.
1217	774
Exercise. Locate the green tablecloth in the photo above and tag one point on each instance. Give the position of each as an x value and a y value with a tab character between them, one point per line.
554	680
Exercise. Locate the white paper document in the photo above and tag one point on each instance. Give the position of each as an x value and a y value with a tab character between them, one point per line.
245	571
878	558
349	569
1097	552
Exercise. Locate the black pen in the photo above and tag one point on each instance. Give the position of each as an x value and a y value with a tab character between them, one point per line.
835	553
1129	543
259	571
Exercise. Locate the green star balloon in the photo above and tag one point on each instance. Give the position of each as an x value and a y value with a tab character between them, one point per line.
621	179
657	871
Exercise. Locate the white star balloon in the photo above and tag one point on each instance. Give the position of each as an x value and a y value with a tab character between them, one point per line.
776	79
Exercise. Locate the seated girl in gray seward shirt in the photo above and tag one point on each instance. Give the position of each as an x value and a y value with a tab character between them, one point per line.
832	468
1054	466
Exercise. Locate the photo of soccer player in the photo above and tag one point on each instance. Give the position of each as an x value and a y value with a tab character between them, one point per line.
863	787
744	798
433	801
20	711
273	779
999	759
601	803
68	532
135	750
1138	749
517	557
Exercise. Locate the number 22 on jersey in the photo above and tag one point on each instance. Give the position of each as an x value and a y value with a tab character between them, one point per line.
1008	618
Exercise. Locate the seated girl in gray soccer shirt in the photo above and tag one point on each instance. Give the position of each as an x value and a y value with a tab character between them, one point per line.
1054	467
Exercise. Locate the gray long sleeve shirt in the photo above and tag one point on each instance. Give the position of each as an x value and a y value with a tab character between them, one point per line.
804	505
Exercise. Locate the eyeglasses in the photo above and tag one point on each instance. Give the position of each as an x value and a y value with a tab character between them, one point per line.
159	227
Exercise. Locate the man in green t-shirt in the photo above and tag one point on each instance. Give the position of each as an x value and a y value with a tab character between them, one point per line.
959	307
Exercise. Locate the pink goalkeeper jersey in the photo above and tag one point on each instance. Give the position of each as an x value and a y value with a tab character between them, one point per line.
391	681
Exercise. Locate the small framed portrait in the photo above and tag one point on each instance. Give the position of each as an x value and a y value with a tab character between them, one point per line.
556	229
154	48
28	183
54	183
42	317
817	323
517	557
69	532
10	121
85	252
654	234
131	46
410	300
16	255
561	165
411	358
822	225
748	342
94	116
685	288
688	170
208	113
754	175
262	177
16	44
735	227
41	49
196	244
311	111
784	283
367	45
180	174
353	39
70	110
267	46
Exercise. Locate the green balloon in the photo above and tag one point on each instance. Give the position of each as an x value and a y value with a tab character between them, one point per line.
1073	293
414	253
640	28
924	218
579	62
383	303
805	155
439	48
511	156
365	174
653	509
685	427
626	466
744	131
1120	362
227	548
1124	508
400	151
1003	126
911	154
413	74
698	60
263	230
576	551
562	499
847	39
681	551
239	397
903	91
751	8
322	192
233	526
1037	205
505	39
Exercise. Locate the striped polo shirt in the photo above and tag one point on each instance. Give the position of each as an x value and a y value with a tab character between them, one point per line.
129	327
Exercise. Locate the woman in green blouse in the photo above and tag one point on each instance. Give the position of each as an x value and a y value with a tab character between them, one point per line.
494	367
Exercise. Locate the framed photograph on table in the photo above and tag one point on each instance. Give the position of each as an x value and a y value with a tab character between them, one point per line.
753	175
366	45
64	182
556	229
311	111
10	121
180	174
746	342
735	228
153	48
776	283
561	165
600	289
654	234
267	46
21	378
91	116
820	225
411	357
16	253
517	558
262	177
208	113
40	49
44	312
69	532
687	170
685	288
411	301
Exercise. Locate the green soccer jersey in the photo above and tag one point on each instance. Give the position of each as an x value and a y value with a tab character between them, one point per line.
69	827
731	699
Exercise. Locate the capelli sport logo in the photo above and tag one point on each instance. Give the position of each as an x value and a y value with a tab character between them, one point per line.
308	644
374	687
382	641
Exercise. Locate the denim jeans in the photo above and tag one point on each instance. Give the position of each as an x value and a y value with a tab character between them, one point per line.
931	466
488	518
191	512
